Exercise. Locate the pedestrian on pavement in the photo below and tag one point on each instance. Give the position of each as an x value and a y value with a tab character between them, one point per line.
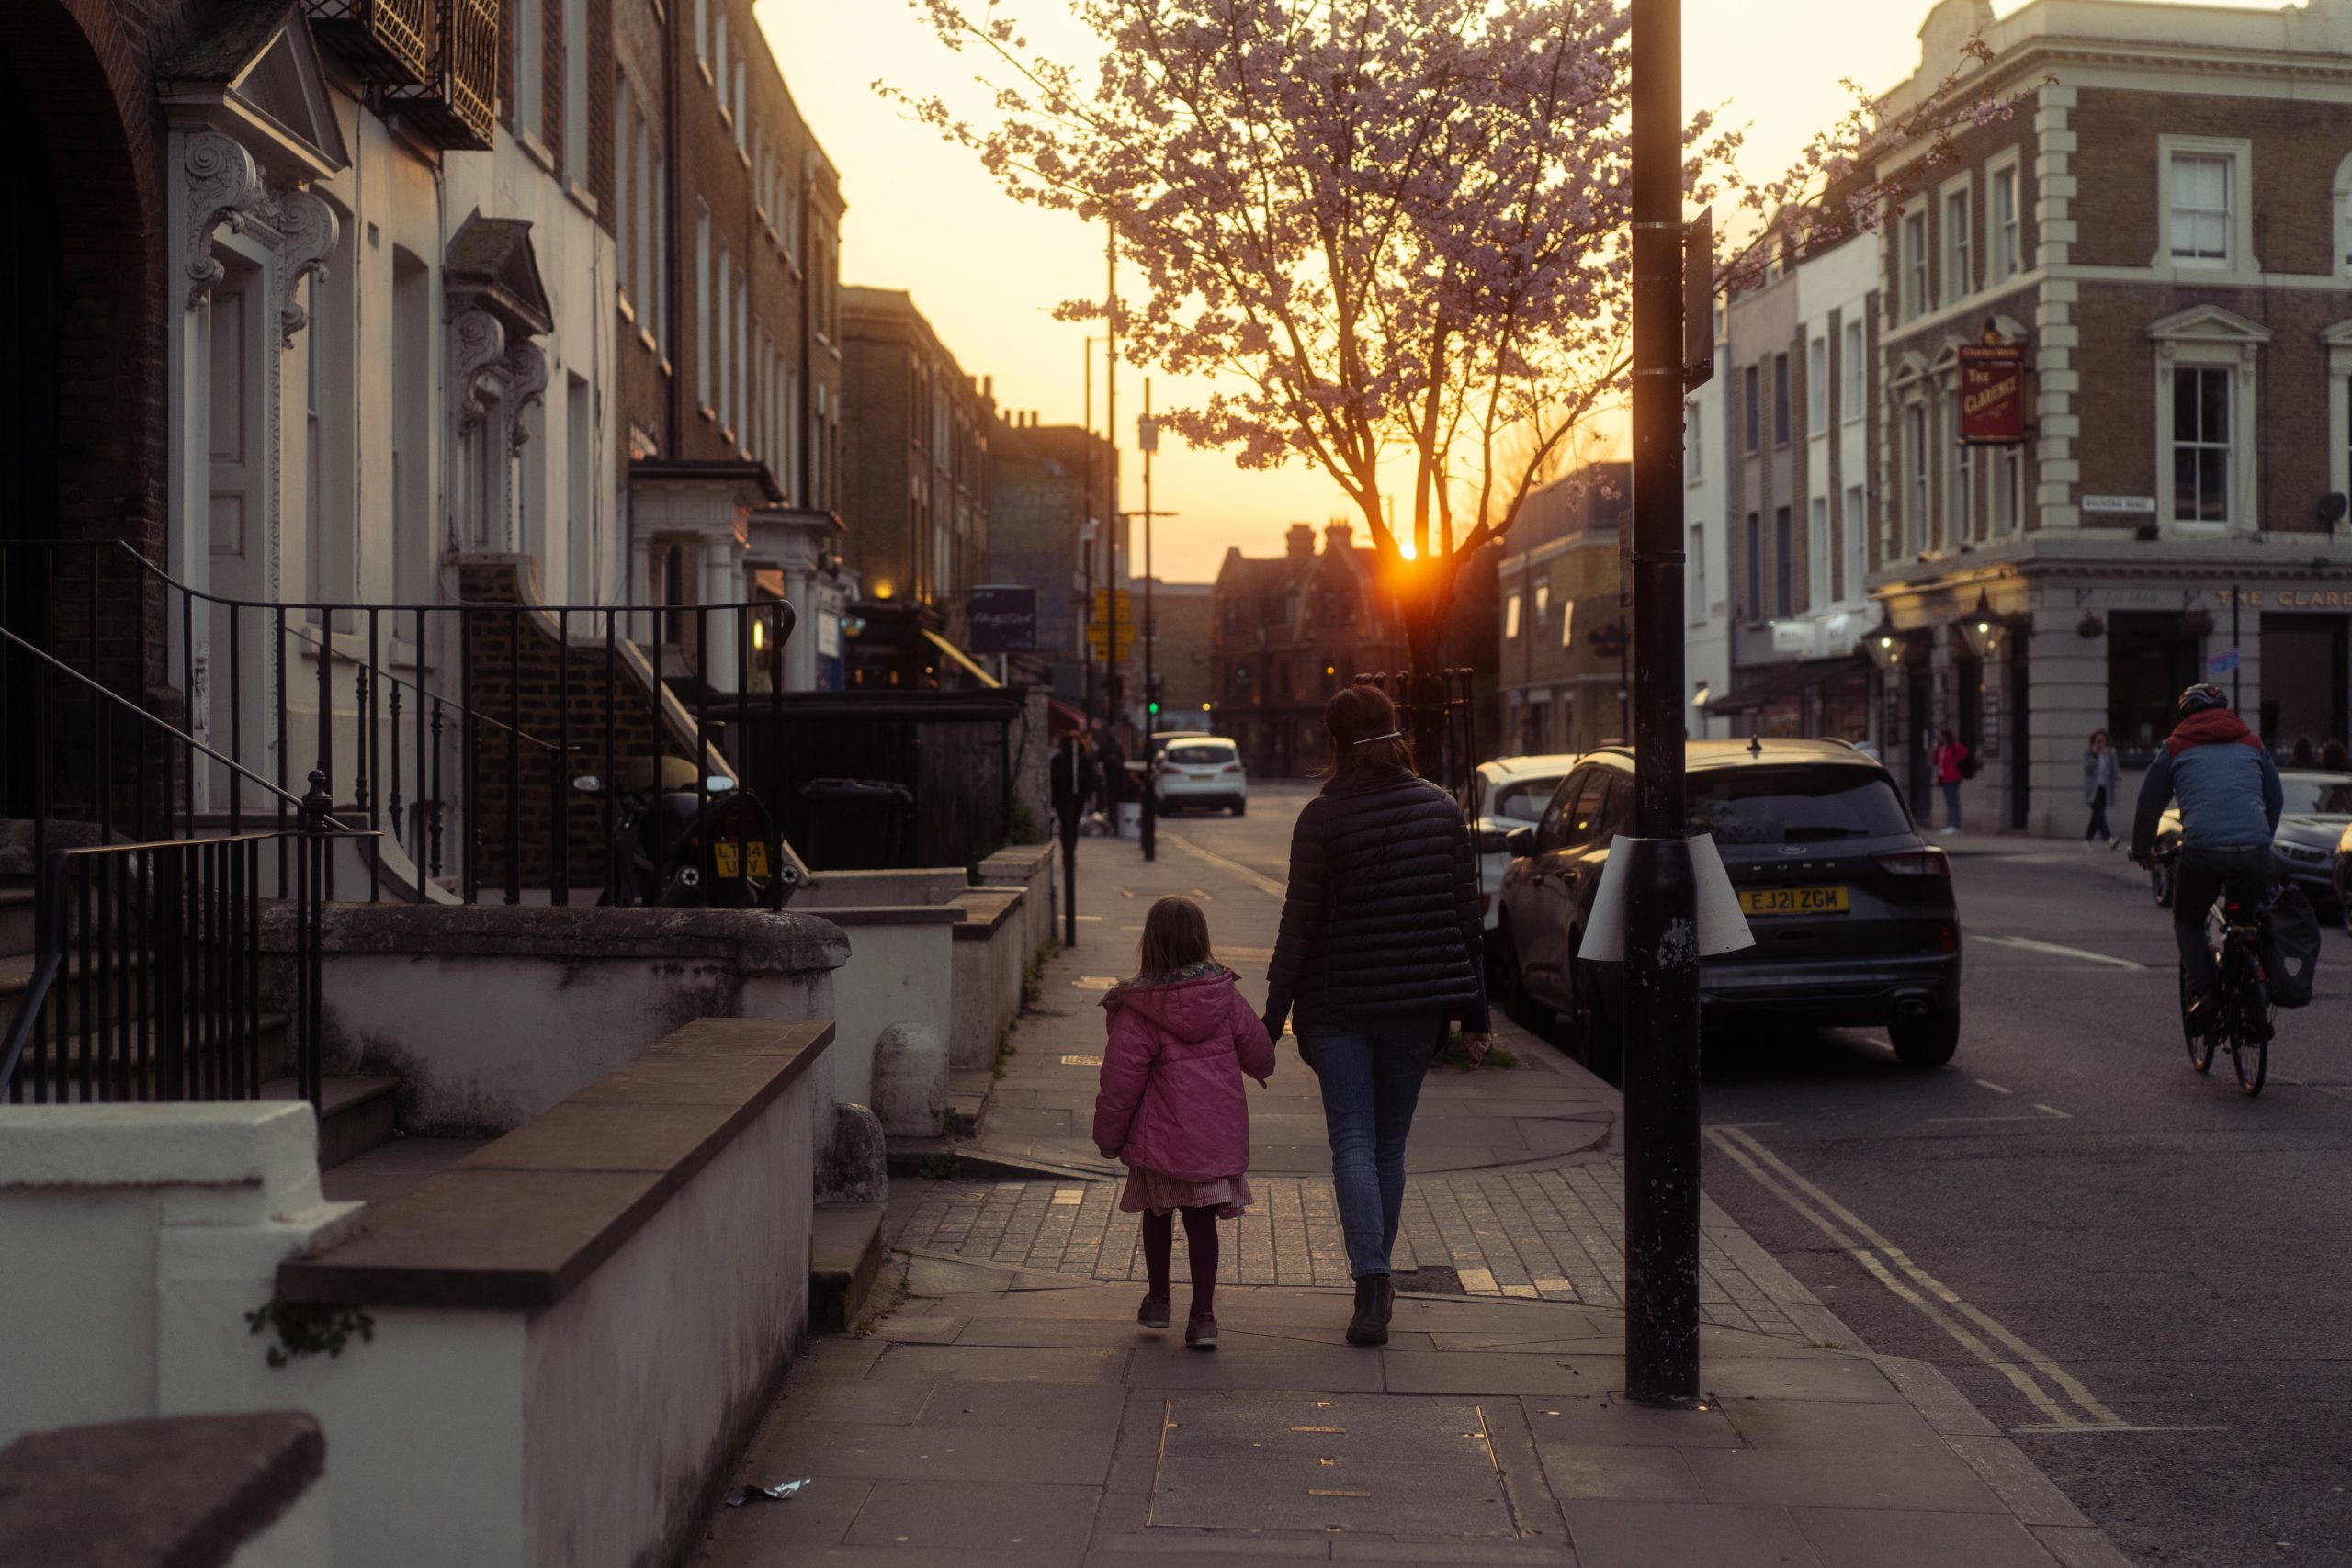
2301	754
1171	1107
1378	951
2102	784
1113	771
2332	757
1950	761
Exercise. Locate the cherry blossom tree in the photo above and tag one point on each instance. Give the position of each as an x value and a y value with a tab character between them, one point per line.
1393	230
1393	233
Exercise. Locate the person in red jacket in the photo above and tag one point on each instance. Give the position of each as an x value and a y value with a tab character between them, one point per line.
1171	1107
1950	761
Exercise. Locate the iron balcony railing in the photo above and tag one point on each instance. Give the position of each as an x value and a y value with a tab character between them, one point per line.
455	101
385	42
502	749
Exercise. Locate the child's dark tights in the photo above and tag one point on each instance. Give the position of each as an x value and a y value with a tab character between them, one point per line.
1200	1245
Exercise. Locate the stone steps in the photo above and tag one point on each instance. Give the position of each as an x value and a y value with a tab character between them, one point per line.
846	1255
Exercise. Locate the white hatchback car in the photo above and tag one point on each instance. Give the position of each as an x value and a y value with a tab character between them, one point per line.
1203	770
1507	792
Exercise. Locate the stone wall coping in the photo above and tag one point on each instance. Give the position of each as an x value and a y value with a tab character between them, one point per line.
985	909
892	914
272	1143
1020	862
178	1492
756	942
520	1222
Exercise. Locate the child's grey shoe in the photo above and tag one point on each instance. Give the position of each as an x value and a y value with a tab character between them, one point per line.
1154	1313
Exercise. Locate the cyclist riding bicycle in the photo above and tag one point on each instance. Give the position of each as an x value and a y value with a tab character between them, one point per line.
2230	800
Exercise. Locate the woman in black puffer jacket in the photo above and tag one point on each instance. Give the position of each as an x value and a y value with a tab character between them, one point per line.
1379	952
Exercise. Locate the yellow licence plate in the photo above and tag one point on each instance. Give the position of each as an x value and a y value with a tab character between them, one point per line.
725	861
1795	901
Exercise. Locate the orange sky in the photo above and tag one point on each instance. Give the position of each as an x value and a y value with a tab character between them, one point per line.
988	272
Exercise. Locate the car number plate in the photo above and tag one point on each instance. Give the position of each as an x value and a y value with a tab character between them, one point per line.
727	864
1204	778
1795	901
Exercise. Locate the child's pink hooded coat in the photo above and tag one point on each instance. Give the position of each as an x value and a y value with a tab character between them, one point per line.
1171	1098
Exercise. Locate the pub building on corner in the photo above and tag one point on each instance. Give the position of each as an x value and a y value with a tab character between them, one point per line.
2114	378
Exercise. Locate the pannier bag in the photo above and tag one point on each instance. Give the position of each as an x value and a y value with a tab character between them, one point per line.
2291	943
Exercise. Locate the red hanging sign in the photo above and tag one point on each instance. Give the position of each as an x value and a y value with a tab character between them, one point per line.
1992	394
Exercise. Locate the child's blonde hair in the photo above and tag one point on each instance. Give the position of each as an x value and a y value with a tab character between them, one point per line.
1175	936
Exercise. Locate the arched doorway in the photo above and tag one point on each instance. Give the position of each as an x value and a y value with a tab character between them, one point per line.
81	397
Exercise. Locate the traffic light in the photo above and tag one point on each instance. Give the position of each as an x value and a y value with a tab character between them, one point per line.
1155	687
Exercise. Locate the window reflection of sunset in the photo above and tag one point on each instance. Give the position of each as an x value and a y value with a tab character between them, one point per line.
987	273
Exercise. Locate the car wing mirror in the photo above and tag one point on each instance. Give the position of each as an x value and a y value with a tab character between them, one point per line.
1519	842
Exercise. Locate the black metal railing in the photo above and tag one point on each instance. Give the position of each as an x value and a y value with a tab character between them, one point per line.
148	985
146	981
491	744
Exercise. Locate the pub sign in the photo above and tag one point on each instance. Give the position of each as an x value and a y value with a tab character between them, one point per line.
1992	394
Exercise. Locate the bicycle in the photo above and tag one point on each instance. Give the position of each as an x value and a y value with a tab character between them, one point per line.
2245	1019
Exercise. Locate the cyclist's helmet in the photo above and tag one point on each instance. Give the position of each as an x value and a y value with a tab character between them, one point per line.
2198	698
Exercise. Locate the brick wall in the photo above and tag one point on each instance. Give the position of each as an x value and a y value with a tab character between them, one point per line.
577	688
2297	148
84	70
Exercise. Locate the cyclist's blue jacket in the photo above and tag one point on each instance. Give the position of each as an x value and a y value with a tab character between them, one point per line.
2227	784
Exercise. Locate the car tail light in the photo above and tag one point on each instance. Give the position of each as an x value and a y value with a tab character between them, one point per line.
1232	767
1950	937
1485	902
1928	860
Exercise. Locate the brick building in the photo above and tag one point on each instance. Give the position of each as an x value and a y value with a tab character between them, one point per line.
1289	632
727	295
1049	489
915	456
1564	637
2165	229
1183	632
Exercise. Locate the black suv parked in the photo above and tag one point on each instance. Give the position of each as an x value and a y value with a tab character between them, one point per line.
1852	909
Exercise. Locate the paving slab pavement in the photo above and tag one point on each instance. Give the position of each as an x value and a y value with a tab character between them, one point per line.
1002	1406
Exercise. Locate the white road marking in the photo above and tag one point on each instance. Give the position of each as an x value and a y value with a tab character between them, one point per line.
1089	919
2040	1113
1264	884
1981	1083
2028	944
1206	897
2054	1111
2025	1367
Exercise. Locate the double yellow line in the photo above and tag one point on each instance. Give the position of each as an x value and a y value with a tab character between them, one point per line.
2053	1390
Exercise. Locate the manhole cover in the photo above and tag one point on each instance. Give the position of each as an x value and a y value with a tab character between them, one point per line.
1287	1462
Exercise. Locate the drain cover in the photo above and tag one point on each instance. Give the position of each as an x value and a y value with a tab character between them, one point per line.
1287	1462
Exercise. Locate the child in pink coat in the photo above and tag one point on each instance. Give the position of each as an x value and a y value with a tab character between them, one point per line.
1171	1107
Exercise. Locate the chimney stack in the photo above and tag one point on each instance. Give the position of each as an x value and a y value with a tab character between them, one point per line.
1300	540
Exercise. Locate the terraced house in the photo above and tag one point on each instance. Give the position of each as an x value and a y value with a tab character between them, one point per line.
2144	482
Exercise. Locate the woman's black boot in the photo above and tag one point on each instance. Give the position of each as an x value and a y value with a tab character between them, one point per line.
1375	1299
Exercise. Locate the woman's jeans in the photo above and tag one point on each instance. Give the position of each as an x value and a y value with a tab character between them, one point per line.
1371	1071
1951	805
2097	829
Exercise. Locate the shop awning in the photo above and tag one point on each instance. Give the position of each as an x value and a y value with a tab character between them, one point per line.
1063	719
1772	682
962	660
